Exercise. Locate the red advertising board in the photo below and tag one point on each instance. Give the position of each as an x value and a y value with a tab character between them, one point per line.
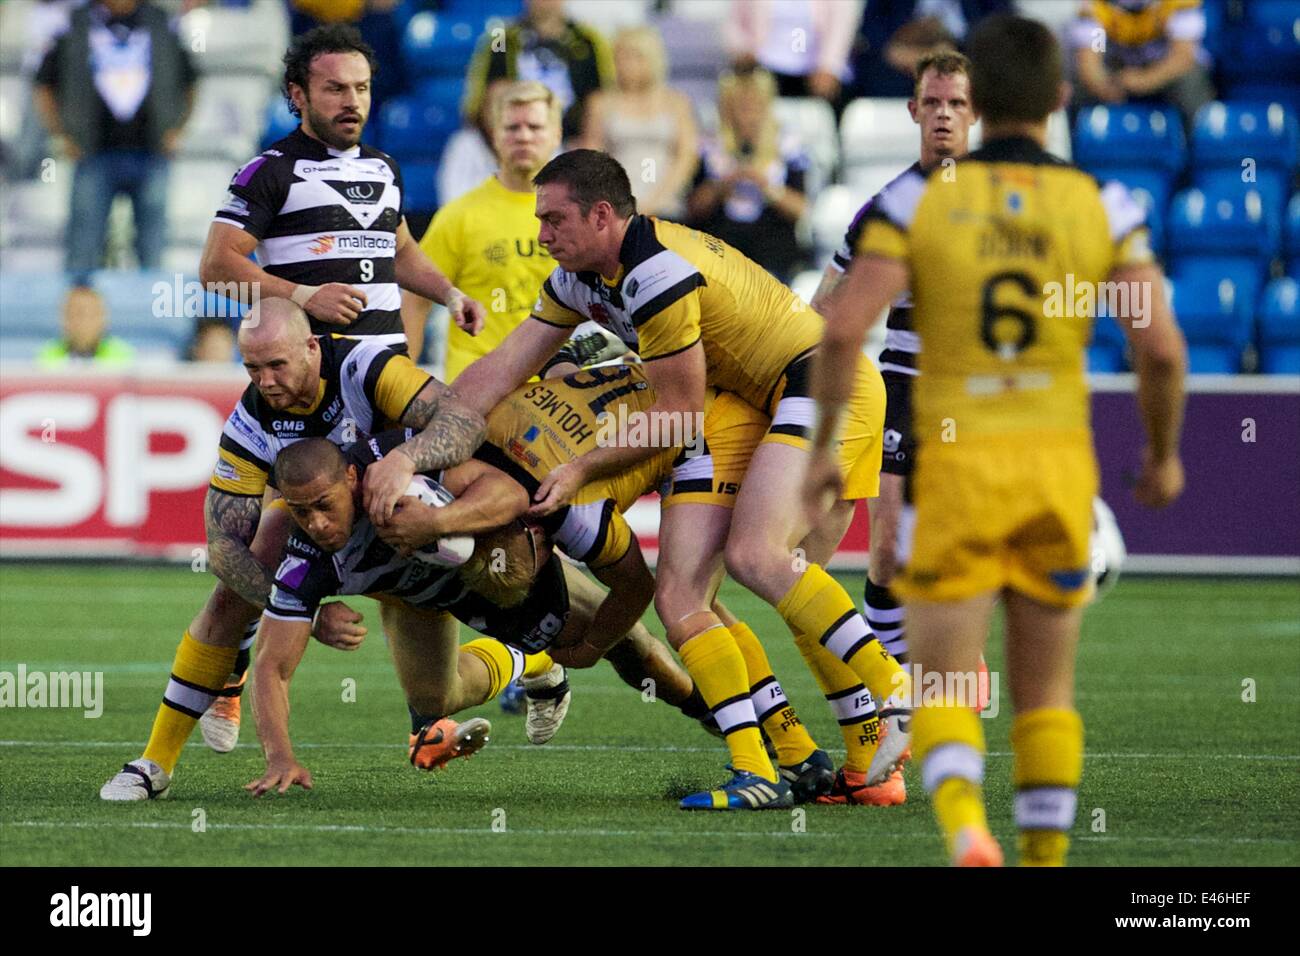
116	465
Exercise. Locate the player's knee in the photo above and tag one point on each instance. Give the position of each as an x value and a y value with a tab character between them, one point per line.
223	618
746	562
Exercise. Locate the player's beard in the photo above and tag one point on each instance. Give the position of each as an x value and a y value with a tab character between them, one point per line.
335	137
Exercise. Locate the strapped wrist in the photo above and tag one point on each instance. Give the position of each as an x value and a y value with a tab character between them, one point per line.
302	295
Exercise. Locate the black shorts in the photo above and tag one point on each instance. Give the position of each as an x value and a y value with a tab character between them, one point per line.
899	441
530	626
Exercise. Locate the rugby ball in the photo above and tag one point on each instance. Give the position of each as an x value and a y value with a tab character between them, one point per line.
450	552
1108	551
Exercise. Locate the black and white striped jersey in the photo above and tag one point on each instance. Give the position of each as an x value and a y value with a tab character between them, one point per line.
902	345
364	386
324	215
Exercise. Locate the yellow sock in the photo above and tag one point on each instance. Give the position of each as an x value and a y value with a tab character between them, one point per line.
949	742
818	606
855	711
506	664
199	671
1048	744
776	714
713	660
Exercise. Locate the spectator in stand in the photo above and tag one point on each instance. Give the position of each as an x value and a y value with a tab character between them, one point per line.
1147	50
803	44
570	58
898	34
647	126
115	91
749	189
468	158
85	338
213	341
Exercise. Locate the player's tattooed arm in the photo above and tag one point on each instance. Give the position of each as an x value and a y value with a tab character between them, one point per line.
231	522
450	430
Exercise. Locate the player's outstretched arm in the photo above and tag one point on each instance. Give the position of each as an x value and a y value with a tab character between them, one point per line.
450	430
509	365
280	646
1160	361
631	589
231	523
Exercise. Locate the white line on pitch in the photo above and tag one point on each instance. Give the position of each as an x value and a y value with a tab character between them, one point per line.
484	831
532	748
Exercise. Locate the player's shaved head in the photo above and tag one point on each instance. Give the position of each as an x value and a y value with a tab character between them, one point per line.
280	353
307	460
272	319
1016	70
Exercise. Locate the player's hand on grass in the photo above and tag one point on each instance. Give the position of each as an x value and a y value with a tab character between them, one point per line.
384	484
557	489
822	485
1161	482
413	525
468	314
340	627
280	776
336	303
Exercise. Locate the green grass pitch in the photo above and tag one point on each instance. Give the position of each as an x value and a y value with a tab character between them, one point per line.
1180	769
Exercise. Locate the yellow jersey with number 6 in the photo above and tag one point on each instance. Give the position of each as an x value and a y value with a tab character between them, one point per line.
1007	259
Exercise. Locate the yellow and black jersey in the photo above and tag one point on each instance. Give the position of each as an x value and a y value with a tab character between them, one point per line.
542	425
1001	259
677	286
364	387
1139	34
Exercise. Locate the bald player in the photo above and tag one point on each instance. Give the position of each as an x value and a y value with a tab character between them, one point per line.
301	386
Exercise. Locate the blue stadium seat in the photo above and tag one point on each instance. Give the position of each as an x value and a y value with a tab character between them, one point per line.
1262	93
1104	358
444	92
1132	135
22	348
1215	318
1267	44
1279	328
1292	247
1273	185
1225	132
1140	180
410	129
1231	235
1244	273
436	45
420	180
30	303
279	121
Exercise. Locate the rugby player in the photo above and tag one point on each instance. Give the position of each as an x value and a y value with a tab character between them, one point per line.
486	240
302	386
508	588
323	212
542	425
942	109
1005	474
699	314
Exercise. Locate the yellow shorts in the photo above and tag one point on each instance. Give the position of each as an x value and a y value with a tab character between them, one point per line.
732	430
994	514
594	532
861	434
